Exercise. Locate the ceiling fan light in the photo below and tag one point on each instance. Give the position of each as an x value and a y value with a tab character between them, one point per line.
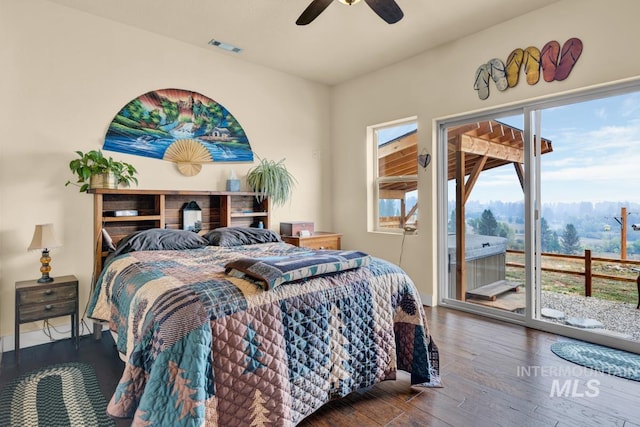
349	2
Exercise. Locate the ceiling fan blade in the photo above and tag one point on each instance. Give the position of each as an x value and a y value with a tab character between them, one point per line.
386	9
312	11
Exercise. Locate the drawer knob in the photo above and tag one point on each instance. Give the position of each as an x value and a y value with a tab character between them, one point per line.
48	292
48	307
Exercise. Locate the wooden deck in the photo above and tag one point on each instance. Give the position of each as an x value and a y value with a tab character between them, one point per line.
509	301
492	290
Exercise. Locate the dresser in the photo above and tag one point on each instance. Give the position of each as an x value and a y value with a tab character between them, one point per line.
318	240
39	301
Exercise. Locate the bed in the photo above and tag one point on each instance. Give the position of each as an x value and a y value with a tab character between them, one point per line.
256	331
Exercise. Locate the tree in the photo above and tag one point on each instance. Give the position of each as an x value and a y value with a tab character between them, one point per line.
503	230
546	235
570	240
487	225
259	413
554	244
451	226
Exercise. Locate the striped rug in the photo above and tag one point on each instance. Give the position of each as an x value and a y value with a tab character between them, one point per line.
58	395
604	359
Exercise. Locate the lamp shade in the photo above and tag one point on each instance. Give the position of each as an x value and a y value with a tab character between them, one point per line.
43	238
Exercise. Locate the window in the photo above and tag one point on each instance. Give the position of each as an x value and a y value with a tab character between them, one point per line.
395	175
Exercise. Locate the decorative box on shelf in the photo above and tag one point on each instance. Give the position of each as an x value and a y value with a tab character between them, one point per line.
296	228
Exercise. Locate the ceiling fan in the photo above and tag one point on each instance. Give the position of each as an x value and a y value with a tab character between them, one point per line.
386	9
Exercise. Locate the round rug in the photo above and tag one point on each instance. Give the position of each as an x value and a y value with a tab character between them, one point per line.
604	359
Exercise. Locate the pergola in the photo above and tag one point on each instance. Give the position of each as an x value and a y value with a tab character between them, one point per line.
472	148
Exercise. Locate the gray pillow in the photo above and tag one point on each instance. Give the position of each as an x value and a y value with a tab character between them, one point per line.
235	236
160	239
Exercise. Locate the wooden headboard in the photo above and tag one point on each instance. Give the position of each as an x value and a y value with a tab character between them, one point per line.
163	209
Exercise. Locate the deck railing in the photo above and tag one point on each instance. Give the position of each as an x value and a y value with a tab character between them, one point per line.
588	273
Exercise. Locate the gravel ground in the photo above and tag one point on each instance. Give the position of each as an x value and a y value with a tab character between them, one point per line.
615	316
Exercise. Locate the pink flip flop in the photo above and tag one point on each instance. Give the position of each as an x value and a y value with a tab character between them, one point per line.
549	60
571	51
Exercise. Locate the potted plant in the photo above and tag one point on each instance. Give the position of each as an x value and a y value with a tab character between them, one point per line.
271	179
94	170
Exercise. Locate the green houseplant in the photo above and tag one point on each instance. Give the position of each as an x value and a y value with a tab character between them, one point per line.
94	170
271	179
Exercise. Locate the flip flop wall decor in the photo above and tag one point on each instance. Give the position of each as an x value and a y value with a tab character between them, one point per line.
552	62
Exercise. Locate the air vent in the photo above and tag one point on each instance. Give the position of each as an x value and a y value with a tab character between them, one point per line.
225	46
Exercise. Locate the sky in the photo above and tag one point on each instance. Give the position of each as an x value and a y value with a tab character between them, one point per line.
595	157
387	134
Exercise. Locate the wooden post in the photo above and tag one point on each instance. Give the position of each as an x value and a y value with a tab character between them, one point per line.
461	274
623	233
587	272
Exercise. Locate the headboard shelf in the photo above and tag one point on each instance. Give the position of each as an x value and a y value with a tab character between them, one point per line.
132	218
164	208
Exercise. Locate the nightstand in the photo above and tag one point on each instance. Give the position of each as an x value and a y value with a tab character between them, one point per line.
40	301
318	240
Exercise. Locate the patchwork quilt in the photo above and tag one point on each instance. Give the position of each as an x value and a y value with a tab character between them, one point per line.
206	348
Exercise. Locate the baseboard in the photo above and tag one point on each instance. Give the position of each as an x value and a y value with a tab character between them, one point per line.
427	299
33	338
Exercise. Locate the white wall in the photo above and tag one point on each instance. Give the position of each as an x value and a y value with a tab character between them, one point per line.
439	83
65	74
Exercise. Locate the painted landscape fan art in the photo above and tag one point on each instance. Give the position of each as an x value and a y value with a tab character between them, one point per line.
181	126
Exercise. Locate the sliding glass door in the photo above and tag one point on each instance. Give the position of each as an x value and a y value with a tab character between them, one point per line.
486	214
540	215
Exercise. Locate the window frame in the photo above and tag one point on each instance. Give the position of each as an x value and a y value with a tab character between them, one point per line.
529	109
376	181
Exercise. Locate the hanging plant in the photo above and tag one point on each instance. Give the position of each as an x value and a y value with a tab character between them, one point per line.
271	179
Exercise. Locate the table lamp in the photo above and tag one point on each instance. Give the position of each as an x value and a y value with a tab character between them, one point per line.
44	239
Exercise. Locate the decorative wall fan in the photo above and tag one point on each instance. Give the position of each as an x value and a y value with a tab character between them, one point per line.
386	9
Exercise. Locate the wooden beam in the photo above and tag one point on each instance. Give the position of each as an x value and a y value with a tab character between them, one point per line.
392	194
411	212
520	172
461	279
473	145
473	178
399	145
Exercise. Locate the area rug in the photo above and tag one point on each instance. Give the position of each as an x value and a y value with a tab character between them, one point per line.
57	395
604	359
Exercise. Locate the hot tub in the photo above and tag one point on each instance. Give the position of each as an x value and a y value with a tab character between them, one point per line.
485	258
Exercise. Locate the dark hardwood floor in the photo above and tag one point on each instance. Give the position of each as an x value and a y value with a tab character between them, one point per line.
493	373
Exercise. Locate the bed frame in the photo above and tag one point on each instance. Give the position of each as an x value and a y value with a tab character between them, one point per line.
163	209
